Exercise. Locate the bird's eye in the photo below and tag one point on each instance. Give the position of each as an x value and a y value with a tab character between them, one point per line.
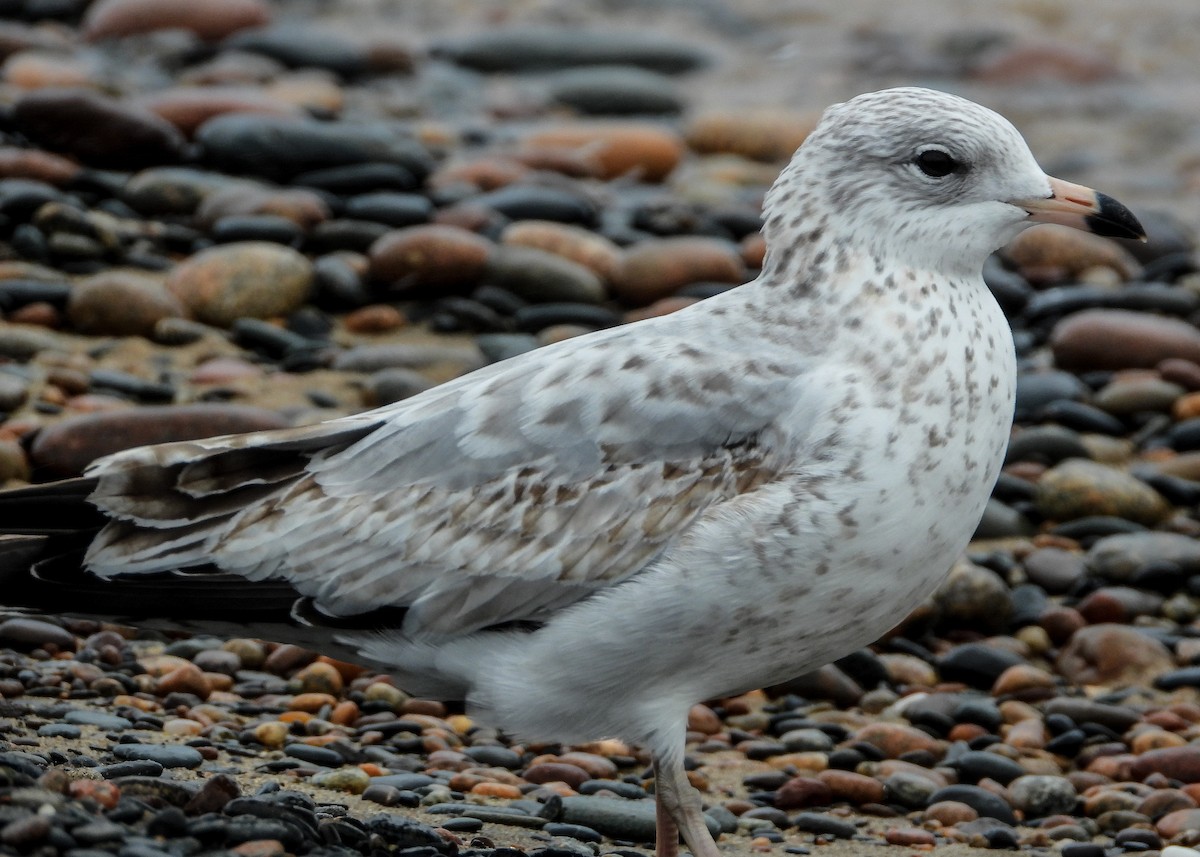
935	162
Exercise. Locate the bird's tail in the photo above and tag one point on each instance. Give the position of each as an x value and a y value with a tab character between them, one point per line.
44	533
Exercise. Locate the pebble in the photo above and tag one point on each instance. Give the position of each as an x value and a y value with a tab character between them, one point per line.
542	277
248	279
539	49
282	147
119	136
1112	654
1078	488
69	445
615	91
1121	339
438	257
121	303
653	270
108	19
610	150
167	755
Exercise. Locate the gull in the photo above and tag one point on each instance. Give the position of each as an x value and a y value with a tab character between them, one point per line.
587	540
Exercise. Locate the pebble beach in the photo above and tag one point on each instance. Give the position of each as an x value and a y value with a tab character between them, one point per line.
235	215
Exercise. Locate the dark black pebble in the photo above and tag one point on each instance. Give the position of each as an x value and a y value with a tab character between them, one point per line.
544	49
1082	417
631	791
301	45
823	825
359	178
1083	849
540	316
257	227
322	756
281	147
404	832
393	209
974	766
976	664
343	233
494	756
982	801
573	831
133	768
615	91
537	202
15	294
462	824
167	755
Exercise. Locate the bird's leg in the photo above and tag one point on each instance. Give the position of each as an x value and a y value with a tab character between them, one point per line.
677	810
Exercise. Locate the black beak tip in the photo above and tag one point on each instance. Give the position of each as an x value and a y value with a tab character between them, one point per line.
1114	220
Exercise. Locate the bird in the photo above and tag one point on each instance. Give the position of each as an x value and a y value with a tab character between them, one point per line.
586	540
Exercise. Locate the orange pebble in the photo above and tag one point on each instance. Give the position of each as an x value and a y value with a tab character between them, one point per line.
501	790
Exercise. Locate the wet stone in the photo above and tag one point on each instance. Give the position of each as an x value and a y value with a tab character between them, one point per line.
256	227
982	801
1078	488
615	90
976	664
68	446
119	136
167	755
300	45
1040	796
252	279
534	49
280	147
542	277
33	633
108	19
392	209
537	202
824	825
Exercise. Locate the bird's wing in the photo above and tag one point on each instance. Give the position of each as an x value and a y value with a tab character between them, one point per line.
497	497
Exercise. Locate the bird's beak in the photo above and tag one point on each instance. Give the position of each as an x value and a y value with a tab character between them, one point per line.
1086	209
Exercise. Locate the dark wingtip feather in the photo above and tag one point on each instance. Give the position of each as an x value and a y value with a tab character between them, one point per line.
56	507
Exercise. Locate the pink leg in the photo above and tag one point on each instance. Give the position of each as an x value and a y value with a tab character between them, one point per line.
678	810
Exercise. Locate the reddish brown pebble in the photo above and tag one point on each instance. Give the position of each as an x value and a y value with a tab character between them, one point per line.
438	256
66	447
950	812
1024	681
763	135
189	107
616	149
211	20
894	740
1113	655
1164	801
312	701
1174	823
121	303
103	792
34	164
186	679
701	718
1121	339
1178	763
1060	623
285	658
909	836
854	788
800	792
556	772
14	464
1185	373
657	269
376	318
